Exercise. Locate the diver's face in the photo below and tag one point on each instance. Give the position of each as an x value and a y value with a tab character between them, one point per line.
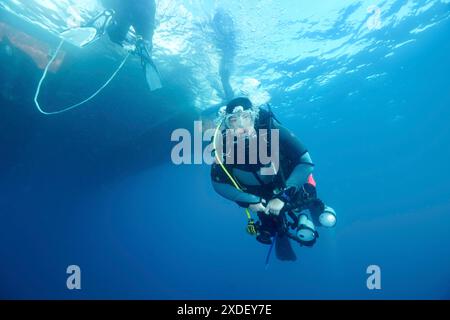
241	122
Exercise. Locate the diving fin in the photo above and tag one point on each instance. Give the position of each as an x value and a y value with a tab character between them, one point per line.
152	75
81	36
143	49
283	249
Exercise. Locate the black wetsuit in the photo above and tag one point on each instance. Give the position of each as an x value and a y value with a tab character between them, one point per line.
292	178
137	13
295	168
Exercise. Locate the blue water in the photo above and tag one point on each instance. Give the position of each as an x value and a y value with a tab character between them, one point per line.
96	187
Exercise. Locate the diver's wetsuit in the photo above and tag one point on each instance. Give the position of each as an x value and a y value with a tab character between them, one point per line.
295	168
137	13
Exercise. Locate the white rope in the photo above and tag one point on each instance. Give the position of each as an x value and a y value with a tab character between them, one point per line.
38	90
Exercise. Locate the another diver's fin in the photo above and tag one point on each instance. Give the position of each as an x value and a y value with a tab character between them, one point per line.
81	36
143	49
152	76
283	249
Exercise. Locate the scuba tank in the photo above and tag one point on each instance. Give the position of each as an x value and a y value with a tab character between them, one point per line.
328	217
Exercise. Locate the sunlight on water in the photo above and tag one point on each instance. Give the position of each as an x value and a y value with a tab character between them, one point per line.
274	39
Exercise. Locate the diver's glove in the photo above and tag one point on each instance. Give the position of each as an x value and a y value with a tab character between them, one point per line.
282	201
257	207
275	206
287	195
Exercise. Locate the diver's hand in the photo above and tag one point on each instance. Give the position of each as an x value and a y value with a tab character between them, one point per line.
257	207
274	206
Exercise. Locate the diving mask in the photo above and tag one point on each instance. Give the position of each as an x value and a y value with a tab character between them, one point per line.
240	119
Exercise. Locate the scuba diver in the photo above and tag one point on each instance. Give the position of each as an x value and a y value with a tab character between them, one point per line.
286	200
225	40
141	16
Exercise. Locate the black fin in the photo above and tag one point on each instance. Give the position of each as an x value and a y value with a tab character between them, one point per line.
283	249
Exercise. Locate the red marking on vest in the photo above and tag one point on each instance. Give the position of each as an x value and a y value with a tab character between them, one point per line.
311	180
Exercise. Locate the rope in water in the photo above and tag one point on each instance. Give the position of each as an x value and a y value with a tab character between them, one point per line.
44	75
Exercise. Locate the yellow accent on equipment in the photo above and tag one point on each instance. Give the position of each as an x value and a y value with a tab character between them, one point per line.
251	223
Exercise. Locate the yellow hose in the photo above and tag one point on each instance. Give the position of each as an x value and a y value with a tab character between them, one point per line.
236	185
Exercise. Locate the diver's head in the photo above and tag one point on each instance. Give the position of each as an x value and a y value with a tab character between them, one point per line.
239	115
243	102
223	23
